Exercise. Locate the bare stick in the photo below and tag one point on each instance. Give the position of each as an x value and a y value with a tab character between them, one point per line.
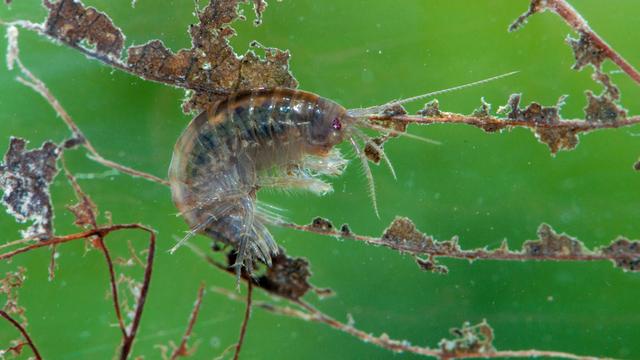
579	24
245	321
181	350
24	333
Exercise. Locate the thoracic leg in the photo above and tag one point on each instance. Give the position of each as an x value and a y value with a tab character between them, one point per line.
332	165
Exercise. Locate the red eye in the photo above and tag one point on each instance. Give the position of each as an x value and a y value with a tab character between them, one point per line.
336	124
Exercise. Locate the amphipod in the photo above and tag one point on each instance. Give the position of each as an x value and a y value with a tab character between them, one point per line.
281	138
255	139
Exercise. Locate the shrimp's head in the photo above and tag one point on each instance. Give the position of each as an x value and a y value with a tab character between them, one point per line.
327	129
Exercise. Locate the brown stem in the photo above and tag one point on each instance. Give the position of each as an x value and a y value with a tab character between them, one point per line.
310	313
576	21
128	341
181	350
102	232
38	86
453	252
571	16
24	333
114	285
245	321
491	123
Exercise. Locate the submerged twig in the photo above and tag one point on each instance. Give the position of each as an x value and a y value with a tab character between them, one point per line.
245	320
181	349
310	313
403	237
78	137
23	332
569	14
101	232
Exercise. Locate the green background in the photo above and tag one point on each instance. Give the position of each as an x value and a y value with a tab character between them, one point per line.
483	187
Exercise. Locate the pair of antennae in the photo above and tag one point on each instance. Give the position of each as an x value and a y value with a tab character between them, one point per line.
360	115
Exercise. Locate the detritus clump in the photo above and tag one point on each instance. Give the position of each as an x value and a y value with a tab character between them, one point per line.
534	112
627	253
483	111
70	22
210	67
25	176
321	224
403	230
585	51
431	265
470	339
602	108
550	243
287	277
431	109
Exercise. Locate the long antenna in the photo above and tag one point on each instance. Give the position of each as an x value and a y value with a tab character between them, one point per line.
378	108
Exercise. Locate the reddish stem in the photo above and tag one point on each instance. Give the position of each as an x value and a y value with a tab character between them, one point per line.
181	350
245	321
24	333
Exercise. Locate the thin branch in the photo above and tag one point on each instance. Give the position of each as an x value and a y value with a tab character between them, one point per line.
492	123
77	136
181	350
245	321
114	286
310	313
580	25
24	333
128	341
102	232
427	246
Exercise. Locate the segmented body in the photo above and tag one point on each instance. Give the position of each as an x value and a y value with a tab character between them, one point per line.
251	140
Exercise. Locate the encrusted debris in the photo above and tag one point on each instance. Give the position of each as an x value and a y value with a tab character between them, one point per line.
470	339
85	210
25	176
431	265
431	109
394	110
544	117
345	231
626	253
551	244
321	224
403	230
210	67
10	284
534	7
602	108
534	112
586	52
287	277
483	111
73	23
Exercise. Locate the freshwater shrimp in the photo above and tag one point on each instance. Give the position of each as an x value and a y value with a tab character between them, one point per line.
280	137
